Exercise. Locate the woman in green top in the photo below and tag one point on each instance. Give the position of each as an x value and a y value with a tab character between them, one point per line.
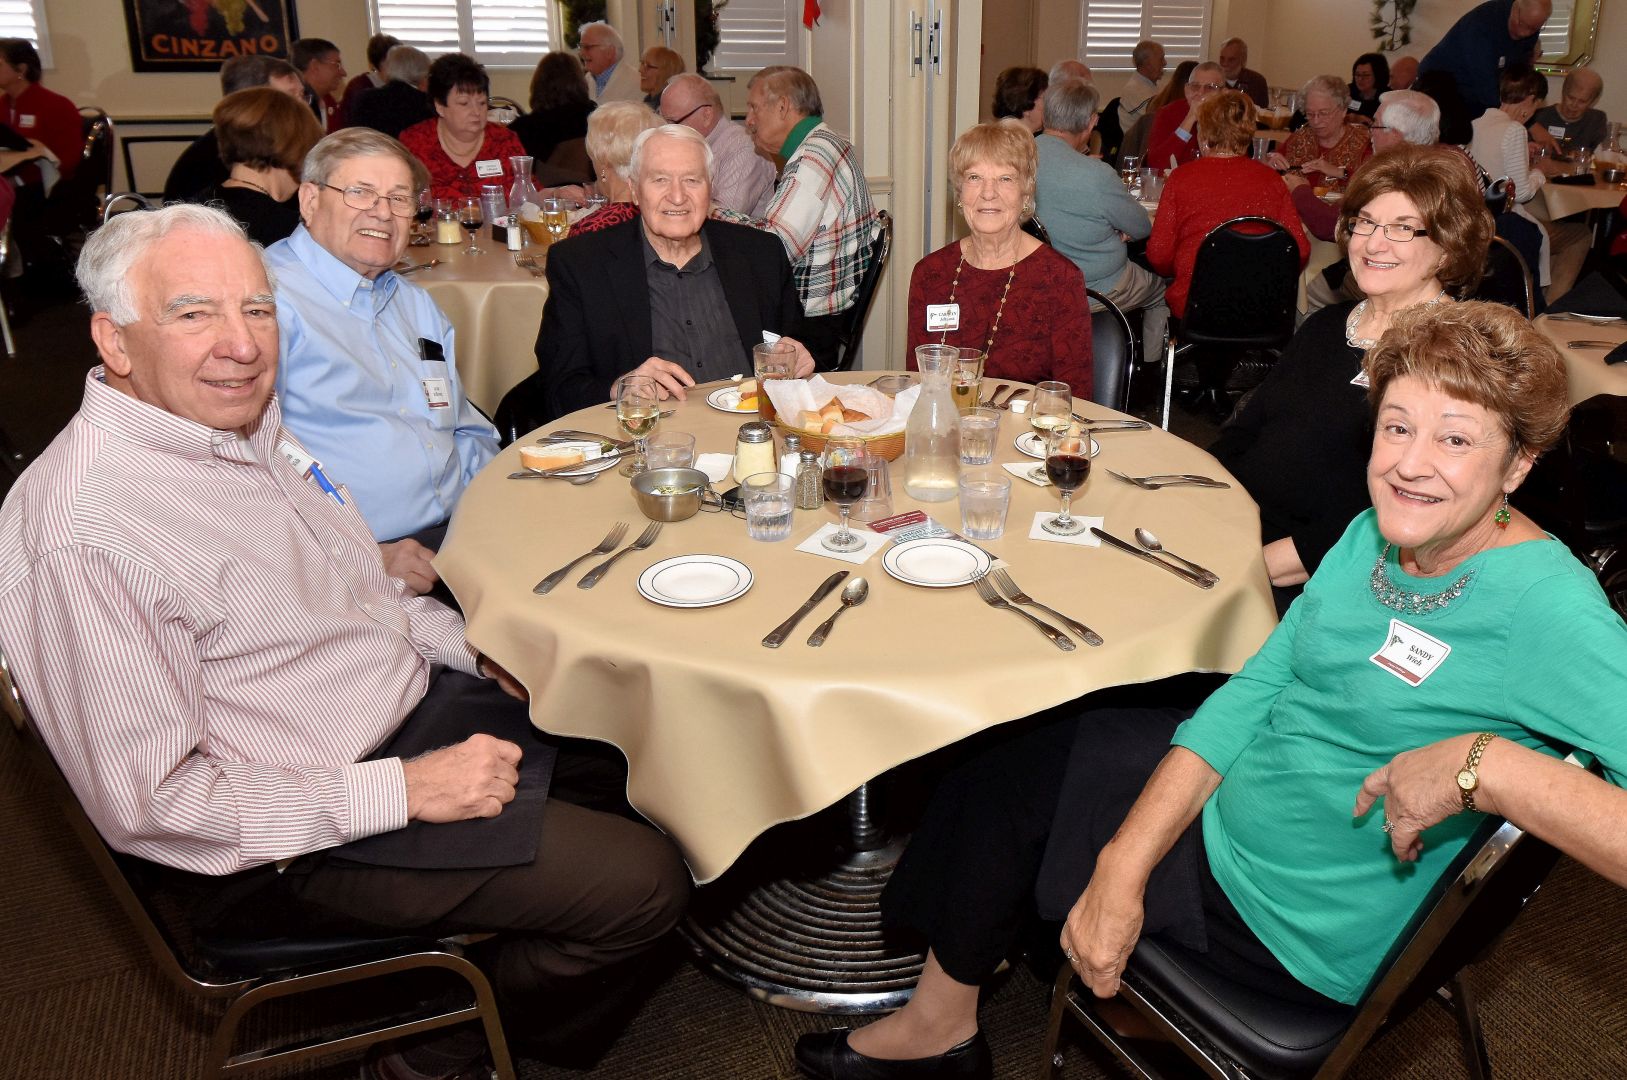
1444	656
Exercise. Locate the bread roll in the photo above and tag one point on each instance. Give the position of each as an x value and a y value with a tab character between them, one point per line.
551	457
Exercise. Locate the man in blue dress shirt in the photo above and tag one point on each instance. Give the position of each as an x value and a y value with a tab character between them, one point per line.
367	377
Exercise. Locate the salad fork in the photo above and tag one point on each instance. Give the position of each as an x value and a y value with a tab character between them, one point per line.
604	547
1008	585
645	539
995	600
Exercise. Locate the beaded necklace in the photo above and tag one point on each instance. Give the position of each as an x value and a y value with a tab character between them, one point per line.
1355	317
988	345
1406	602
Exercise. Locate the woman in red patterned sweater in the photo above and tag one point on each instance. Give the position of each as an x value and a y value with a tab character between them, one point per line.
461	148
1220	185
999	289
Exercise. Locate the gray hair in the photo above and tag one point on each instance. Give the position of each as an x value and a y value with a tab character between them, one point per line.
1236	41
1331	85
794	85
1414	116
1143	52
1070	105
111	253
405	64
609	31
355	142
671	131
705	93
1577	74
612	129
1068	69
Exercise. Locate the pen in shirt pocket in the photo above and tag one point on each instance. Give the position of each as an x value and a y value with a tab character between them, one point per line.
325	484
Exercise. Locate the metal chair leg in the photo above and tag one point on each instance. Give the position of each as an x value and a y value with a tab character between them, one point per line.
1466	1009
1051	1064
1169	377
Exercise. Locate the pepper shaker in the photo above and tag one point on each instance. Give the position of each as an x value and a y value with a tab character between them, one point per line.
810	489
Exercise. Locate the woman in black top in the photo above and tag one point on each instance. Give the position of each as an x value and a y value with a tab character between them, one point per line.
264	136
559	106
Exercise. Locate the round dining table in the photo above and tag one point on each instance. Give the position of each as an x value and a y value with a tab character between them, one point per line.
494	305
1583	345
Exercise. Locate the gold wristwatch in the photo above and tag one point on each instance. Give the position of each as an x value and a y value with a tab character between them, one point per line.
1469	776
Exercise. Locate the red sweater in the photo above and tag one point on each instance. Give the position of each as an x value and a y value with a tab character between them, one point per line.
1202	194
52	119
1164	142
1045	329
451	180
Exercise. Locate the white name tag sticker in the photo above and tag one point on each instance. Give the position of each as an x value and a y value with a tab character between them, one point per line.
299	459
1557	130
488	168
1353	105
940	317
1410	654
438	392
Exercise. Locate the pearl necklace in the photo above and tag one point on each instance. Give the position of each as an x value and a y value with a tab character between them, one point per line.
988	345
1406	602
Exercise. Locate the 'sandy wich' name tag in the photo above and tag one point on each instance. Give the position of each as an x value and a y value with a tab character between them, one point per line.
488	168
940	317
1410	654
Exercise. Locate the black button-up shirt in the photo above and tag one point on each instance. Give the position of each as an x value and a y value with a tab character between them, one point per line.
690	323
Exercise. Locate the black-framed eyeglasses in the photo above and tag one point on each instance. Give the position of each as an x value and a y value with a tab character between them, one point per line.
691	112
1380	127
1395	231
363	198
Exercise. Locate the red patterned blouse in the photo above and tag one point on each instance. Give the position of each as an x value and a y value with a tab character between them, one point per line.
453	181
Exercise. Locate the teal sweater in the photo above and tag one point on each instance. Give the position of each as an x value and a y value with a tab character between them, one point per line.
1537	656
1084	207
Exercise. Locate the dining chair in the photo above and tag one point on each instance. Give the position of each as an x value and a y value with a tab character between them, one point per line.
847	340
75	203
117	199
1230	311
1232	1032
503	110
1107	126
1112	352
249	972
1507	279
1036	228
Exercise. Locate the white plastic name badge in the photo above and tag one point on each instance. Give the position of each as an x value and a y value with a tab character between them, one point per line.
1557	130
941	317
299	459
1410	654
438	393
1353	105
488	168
25	120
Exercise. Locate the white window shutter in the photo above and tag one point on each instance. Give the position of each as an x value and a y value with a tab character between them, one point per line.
1109	30
1556	32
510	33
498	33
756	33
1180	27
26	19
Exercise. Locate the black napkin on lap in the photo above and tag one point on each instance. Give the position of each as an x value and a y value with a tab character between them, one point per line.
1574	180
1595	294
1617	355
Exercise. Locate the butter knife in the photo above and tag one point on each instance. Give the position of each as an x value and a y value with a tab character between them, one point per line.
544	474
1180	572
777	636
1586	343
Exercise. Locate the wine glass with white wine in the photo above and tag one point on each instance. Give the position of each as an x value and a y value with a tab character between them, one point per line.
1052	409
638	411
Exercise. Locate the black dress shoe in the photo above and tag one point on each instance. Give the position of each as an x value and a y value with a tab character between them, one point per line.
825	1055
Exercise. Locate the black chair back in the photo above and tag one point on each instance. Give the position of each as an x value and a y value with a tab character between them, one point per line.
1500	196
1112	133
1112	352
847	341
75	203
522	409
1507	279
1036	228
1245	286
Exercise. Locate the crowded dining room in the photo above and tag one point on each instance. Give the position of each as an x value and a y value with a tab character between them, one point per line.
814	539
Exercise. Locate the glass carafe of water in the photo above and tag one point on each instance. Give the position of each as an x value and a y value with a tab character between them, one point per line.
522	190
932	434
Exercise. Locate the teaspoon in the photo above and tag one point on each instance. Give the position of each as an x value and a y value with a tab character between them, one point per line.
1151	542
853	594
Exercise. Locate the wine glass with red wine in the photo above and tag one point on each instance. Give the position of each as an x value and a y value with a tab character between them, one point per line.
426	207
472	217
1067	465
845	478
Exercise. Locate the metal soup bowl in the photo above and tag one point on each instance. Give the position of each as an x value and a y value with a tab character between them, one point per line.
672	494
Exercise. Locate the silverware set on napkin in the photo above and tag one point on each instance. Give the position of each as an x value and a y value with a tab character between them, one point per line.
617	533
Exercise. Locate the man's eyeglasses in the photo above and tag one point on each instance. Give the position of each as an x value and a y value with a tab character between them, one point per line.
361	198
688	114
1211	87
1394	231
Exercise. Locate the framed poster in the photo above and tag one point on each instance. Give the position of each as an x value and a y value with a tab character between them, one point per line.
196	35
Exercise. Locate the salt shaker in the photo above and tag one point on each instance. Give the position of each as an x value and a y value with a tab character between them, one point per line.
754	451
791	453
810	490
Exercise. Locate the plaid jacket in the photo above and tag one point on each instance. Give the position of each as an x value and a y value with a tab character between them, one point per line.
821	210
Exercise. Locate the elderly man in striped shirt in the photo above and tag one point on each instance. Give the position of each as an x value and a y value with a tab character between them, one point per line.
237	688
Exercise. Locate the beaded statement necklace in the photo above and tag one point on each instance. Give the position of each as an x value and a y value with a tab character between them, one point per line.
988	346
1355	318
1406	602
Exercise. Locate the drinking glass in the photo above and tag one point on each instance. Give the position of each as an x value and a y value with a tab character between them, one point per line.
769	361
426	207
877	502
472	220
493	203
595	201
1067	465
769	499
966	379
978	430
1129	169
556	218
845	479
1052	409
638	410
447	227
985	496
671	450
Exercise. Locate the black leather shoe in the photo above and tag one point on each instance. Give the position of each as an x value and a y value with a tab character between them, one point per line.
825	1055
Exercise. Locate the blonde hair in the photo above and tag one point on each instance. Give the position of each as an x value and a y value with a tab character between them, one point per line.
1004	142
612	129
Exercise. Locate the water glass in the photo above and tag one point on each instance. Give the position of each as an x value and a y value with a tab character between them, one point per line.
769	500
978	432
671	450
1129	167
877	501
966	378
493	203
769	361
895	384
985	496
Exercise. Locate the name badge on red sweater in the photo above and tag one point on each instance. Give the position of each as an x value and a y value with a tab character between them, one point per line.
941	317
1410	654
25	120
488	168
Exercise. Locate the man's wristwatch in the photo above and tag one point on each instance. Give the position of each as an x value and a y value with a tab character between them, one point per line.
1469	776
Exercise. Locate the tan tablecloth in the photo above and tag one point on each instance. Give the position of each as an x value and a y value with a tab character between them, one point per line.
1585	370
1562	200
496	308
726	738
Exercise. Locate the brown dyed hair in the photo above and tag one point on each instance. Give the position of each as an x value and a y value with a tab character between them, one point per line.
557	81
1016	89
1447	197
1226	121
1173	90
265	129
667	63
1483	353
1004	142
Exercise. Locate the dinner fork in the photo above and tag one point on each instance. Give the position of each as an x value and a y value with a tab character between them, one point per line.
995	600
1182	480
645	539
1013	396
1008	585
604	547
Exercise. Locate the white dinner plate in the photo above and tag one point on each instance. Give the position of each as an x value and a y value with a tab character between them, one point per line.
591	465
694	581
936	562
1032	445
728	400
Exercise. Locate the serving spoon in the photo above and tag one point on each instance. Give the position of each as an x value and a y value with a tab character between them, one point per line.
853	594
1151	542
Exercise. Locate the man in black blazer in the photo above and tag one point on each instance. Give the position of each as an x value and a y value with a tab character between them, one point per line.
672	295
401	102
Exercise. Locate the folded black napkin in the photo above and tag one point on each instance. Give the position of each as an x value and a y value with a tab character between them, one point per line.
1574	180
1595	294
1617	355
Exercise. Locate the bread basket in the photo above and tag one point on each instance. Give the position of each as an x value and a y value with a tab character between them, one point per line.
888	447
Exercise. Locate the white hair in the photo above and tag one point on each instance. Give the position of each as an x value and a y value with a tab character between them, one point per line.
675	131
610	32
1414	116
112	252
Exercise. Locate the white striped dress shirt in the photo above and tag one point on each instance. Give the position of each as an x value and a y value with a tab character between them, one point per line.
207	640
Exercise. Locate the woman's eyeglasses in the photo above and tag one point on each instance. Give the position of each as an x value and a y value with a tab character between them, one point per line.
1396	232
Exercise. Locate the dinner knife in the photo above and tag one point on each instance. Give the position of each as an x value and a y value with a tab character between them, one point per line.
777	636
544	474
1178	571
1585	343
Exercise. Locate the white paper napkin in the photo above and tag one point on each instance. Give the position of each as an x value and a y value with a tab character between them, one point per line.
873	542
1032	471
1084	539
717	467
